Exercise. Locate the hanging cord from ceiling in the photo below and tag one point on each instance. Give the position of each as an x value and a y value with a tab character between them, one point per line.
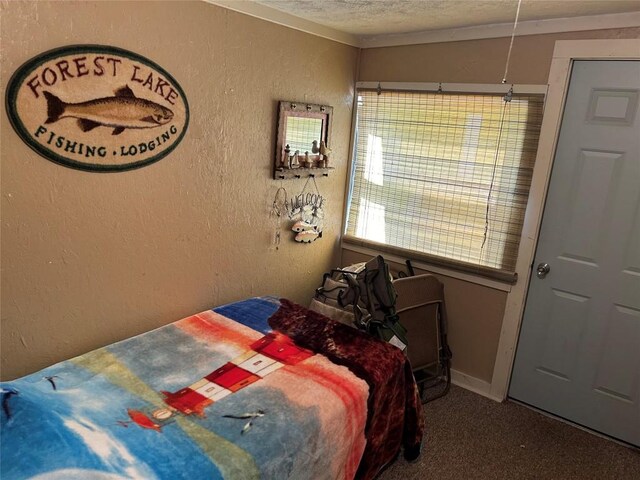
495	166
507	100
513	35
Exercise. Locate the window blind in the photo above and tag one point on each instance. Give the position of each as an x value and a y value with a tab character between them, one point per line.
444	175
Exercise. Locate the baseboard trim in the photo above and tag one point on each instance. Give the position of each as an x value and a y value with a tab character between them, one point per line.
473	384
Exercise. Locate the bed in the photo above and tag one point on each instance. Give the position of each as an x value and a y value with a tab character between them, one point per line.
261	388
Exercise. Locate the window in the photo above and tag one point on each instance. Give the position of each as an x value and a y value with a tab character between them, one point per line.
444	176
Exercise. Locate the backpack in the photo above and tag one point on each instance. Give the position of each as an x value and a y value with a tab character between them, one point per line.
366	291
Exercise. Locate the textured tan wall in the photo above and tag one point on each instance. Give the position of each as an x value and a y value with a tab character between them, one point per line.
87	258
473	61
475	312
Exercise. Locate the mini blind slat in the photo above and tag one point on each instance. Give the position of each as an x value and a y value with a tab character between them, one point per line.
427	165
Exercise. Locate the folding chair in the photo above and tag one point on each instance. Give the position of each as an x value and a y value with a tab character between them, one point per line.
421	307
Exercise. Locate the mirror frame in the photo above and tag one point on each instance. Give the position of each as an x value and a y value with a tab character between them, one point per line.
286	110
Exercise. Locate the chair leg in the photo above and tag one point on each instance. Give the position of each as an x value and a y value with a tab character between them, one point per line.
443	374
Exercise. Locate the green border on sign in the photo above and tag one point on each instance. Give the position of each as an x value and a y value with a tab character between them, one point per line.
29	66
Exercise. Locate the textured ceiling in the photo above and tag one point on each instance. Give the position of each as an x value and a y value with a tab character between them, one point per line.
379	17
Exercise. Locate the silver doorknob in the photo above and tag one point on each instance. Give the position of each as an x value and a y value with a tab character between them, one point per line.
542	270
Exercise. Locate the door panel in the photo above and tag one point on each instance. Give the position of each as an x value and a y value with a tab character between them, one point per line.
578	354
561	341
620	350
595	179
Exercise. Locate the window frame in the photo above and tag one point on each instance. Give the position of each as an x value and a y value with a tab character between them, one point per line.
451	267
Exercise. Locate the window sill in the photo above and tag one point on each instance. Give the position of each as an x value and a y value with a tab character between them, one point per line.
397	255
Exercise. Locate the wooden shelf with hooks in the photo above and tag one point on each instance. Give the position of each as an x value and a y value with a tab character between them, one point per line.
301	172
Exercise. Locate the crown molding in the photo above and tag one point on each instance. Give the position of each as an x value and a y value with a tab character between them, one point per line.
287	20
496	30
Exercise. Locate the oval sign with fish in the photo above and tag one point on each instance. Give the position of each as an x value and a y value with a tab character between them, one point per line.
97	108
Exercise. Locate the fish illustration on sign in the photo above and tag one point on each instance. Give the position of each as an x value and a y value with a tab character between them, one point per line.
122	111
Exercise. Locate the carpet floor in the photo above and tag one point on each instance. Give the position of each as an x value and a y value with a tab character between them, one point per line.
471	437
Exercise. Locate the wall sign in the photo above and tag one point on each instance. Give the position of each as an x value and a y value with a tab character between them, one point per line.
97	108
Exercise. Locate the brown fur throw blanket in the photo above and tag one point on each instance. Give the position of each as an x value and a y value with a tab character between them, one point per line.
394	414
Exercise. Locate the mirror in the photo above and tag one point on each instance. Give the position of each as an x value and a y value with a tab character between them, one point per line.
303	128
301	132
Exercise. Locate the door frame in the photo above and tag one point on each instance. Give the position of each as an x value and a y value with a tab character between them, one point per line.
564	54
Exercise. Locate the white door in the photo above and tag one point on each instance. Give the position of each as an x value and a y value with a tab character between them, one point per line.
578	354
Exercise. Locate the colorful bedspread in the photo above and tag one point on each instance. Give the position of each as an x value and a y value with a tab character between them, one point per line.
220	394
